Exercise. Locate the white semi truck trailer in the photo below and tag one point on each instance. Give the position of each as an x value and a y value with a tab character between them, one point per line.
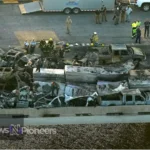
66	6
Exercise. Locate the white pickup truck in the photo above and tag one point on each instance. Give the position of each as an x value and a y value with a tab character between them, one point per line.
144	4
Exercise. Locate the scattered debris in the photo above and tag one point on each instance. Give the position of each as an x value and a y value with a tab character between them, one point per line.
34	80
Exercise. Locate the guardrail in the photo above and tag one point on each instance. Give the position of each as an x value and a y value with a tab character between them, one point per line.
78	111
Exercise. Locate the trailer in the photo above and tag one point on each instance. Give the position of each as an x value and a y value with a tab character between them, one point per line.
66	6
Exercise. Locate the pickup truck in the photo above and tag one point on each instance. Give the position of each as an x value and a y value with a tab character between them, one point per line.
126	97
119	53
144	4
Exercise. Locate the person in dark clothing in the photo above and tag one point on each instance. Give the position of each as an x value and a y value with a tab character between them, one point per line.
117	14
75	59
61	53
98	17
146	32
32	46
55	87
138	35
42	45
104	11
123	14
38	66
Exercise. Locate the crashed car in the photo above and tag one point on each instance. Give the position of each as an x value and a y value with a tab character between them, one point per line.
125	97
60	101
12	56
26	58
119	53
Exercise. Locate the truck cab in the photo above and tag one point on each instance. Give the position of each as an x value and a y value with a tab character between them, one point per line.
144	4
125	97
121	53
133	97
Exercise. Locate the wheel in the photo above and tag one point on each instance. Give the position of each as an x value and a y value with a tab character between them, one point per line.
67	10
146	7
76	10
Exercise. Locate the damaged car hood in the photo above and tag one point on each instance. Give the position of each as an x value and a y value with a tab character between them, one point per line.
137	51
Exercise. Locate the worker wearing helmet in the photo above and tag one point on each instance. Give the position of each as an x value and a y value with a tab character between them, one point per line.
66	47
95	39
51	44
91	44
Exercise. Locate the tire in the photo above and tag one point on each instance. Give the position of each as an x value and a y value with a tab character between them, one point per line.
76	10
146	7
67	10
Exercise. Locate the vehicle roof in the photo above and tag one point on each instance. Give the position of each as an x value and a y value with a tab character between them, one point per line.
131	92
118	47
145	72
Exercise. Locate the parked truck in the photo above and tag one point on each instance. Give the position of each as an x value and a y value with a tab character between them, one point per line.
66	6
143	4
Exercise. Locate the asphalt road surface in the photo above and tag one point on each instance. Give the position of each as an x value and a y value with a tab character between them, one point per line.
87	120
15	28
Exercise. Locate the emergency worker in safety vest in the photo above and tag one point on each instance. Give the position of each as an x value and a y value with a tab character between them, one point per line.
138	23
94	39
134	26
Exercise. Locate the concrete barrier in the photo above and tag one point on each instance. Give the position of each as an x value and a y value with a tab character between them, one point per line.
72	111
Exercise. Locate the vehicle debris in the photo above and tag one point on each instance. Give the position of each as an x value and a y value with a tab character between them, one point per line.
106	87
56	84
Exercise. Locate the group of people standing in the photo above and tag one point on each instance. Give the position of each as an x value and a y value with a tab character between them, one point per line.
30	46
122	14
100	15
136	30
46	46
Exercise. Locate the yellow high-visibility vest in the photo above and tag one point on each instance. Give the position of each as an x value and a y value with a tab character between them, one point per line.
138	23
134	25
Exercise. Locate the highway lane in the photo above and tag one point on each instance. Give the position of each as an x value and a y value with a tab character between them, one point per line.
87	120
15	28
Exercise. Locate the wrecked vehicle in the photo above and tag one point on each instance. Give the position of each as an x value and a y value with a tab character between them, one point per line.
21	98
60	101
139	79
119	53
125	97
47	74
76	90
44	93
11	57
92	74
28	58
106	87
